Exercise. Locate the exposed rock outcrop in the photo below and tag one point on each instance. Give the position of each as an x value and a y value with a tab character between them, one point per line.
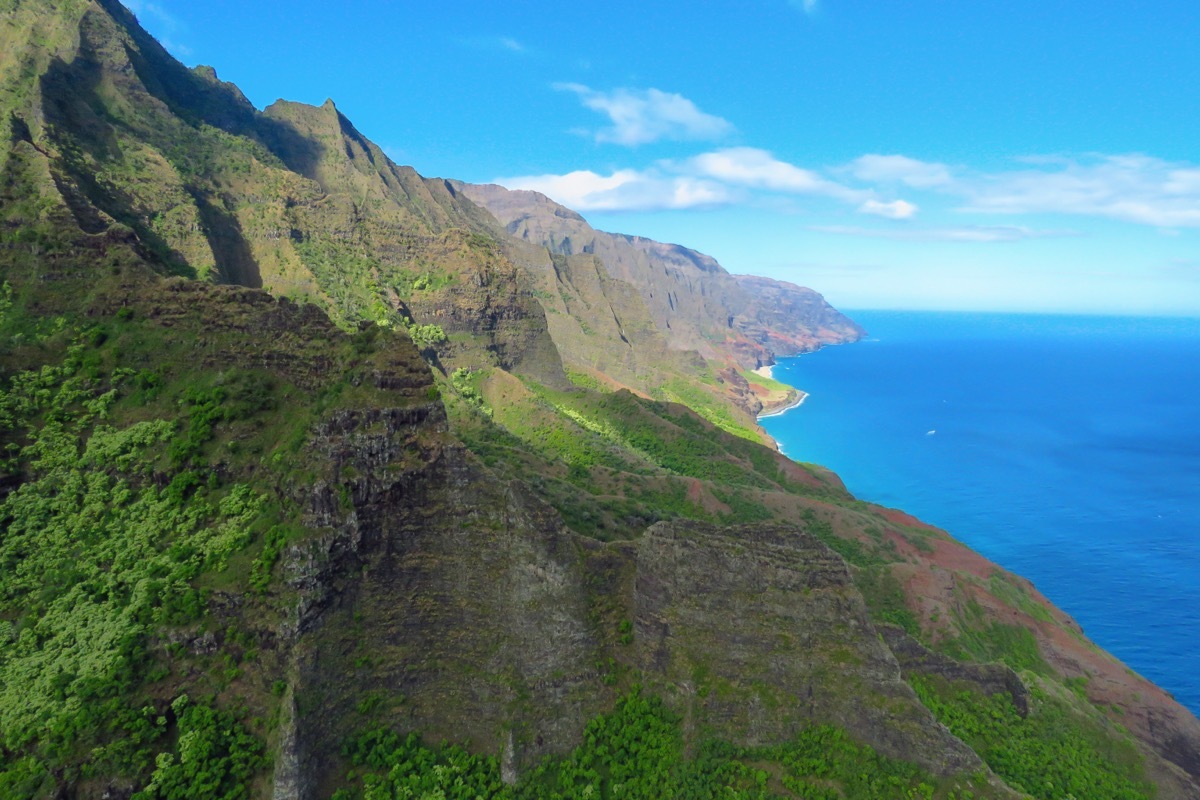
989	679
759	631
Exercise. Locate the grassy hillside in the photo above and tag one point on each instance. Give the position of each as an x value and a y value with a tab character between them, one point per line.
316	484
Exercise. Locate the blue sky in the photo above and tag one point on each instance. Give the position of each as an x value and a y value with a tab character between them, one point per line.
1023	155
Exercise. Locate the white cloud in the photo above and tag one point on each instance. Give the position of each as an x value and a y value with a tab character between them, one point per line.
494	44
1133	188
719	177
874	168
807	6
759	169
641	116
1138	189
1183	181
749	166
897	209
624	190
967	233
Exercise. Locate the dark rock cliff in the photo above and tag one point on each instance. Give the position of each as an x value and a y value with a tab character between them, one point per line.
760	631
470	610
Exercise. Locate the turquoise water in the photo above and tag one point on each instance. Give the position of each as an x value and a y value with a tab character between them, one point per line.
1066	449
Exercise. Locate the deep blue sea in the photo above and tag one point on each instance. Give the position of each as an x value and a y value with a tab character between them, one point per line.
1066	449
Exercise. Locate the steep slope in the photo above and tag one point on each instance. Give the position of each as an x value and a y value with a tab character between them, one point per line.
298	202
258	534
694	302
294	200
606	337
258	547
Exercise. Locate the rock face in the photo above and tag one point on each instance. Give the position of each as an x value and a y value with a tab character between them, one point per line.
990	679
478	617
456	601
790	319
694	303
761	632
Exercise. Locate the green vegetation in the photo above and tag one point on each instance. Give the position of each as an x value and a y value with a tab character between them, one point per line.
765	382
585	381
637	752
707	404
636	461
260	570
983	639
1054	752
425	336
885	599
238	395
350	279
390	766
1011	592
466	384
854	551
215	757
360	287
431	280
105	543
674	439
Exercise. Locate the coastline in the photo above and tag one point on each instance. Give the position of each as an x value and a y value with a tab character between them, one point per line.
796	402
1000	529
794	398
767	372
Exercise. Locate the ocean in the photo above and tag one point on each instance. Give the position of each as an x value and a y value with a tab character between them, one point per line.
1064	448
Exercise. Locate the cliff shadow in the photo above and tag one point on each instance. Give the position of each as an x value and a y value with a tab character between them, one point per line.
235	260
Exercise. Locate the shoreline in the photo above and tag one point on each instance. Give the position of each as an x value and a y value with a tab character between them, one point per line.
794	399
798	401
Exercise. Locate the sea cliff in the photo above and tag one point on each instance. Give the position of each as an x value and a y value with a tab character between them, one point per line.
313	464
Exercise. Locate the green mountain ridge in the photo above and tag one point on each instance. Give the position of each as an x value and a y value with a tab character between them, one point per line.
694	302
312	463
